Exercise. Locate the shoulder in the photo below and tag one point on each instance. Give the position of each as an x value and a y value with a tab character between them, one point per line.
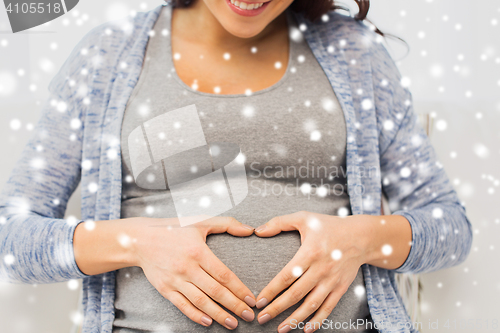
120	31
368	64
113	36
345	26
357	40
102	49
350	39
343	31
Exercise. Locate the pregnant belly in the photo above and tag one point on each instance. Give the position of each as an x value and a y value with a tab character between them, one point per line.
256	261
140	308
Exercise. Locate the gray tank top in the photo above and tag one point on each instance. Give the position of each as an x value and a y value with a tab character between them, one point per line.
293	139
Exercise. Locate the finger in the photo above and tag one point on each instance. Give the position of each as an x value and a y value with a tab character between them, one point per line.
281	223
290	297
211	264
200	300
186	307
222	295
221	224
311	303
288	275
324	310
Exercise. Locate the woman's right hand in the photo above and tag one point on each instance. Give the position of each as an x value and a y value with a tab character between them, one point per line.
180	265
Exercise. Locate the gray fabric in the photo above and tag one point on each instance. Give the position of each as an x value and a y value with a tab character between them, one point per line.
296	124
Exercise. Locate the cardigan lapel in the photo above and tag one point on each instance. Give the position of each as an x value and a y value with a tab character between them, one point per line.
125	81
102	145
335	67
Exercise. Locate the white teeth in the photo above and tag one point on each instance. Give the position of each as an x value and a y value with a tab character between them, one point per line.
247	6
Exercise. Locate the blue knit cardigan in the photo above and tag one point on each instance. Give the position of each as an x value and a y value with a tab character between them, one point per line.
78	139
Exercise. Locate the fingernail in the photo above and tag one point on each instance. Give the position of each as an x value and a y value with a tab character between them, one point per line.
248	315
206	321
264	319
231	323
261	228
246	226
262	303
285	329
250	301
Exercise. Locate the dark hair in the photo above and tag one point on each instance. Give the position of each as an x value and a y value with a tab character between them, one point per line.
315	9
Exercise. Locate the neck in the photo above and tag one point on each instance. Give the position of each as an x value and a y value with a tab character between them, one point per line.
197	24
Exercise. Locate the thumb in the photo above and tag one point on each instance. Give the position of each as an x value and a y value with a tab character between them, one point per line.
276	225
230	225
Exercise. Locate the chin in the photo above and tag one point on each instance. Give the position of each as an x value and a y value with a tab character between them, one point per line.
243	32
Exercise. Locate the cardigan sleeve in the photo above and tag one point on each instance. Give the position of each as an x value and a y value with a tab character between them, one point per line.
413	180
36	242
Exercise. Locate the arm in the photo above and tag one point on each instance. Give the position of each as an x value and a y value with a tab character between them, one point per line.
414	181
35	236
36	239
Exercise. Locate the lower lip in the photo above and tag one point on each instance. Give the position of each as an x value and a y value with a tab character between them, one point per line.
244	12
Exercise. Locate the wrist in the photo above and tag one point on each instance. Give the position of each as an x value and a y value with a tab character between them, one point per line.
386	239
133	237
127	241
100	246
366	231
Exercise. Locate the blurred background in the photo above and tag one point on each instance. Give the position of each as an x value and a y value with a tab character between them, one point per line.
453	68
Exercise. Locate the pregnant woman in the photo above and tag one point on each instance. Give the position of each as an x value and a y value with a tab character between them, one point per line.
323	125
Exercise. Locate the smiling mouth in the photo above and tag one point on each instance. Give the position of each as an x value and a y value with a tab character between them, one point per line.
247	5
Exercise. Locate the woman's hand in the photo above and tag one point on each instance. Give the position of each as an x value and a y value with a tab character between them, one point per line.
325	265
331	252
179	264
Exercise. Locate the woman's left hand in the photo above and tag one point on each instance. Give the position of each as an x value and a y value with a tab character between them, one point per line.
327	262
